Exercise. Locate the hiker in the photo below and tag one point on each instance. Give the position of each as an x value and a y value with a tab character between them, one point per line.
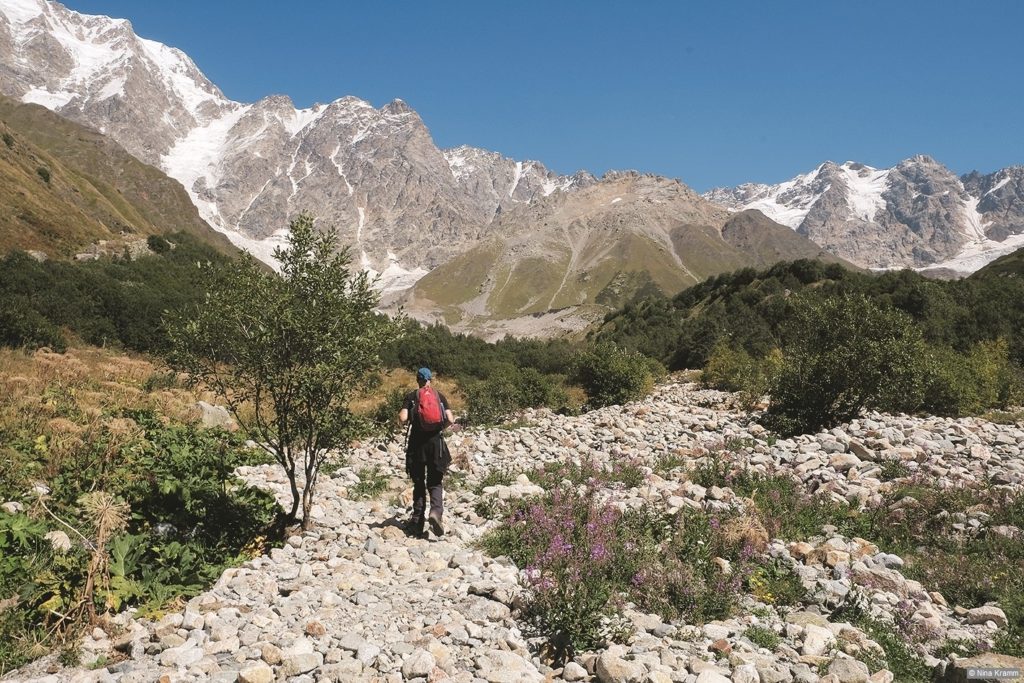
426	454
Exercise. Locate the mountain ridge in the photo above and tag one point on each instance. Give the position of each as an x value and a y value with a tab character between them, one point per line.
916	214
66	188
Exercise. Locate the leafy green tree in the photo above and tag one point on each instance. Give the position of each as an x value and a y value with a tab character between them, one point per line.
287	352
846	354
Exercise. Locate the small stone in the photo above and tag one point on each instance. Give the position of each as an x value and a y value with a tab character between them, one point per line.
418	665
956	671
574	672
980	615
658	677
721	646
367	654
181	656
316	629
613	669
849	670
716	631
801	550
351	642
745	673
709	676
295	663
271	653
256	673
817	640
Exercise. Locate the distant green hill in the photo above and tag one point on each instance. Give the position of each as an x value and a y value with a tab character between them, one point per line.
64	187
1011	265
586	252
751	309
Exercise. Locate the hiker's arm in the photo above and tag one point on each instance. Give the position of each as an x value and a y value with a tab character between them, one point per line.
449	416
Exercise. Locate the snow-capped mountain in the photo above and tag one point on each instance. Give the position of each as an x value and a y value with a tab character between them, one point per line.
918	214
375	173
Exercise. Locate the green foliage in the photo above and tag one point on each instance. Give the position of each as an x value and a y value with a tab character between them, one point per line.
495	477
626	472
973	382
22	326
8	140
969	570
158	244
613	376
893	468
753	309
846	354
900	657
44	174
189	519
288	353
763	637
774	582
733	369
383	414
372	483
105	302
582	557
508	390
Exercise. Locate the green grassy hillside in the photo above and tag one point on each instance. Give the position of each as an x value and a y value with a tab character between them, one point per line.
64	187
1011	265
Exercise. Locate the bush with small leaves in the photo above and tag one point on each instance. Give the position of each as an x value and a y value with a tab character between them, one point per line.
846	354
613	376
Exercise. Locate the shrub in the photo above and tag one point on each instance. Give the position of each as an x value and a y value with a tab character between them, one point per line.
846	354
22	326
762	637
159	508
581	556
508	390
959	384
44	174
613	376
158	244
8	140
384	414
495	477
372	483
733	369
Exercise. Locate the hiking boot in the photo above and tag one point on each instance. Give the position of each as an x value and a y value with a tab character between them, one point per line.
414	527
435	524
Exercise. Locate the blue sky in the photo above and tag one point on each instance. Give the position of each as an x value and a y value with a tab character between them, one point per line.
712	93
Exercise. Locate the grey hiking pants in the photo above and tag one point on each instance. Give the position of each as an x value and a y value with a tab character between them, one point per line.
426	462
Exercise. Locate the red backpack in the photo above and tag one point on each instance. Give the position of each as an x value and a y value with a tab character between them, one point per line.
428	410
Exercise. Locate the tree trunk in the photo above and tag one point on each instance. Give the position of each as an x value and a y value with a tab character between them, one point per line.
295	493
307	503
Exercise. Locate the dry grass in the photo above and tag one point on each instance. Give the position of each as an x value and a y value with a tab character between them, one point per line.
65	396
405	381
746	530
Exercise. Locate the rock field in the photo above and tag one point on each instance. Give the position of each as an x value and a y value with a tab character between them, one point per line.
356	599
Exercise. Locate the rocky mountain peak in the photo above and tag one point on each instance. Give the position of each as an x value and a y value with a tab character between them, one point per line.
373	173
916	214
397	107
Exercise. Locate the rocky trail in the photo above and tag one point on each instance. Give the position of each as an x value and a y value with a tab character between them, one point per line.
356	599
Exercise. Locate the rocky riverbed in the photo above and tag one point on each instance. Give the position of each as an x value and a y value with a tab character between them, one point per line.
356	599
